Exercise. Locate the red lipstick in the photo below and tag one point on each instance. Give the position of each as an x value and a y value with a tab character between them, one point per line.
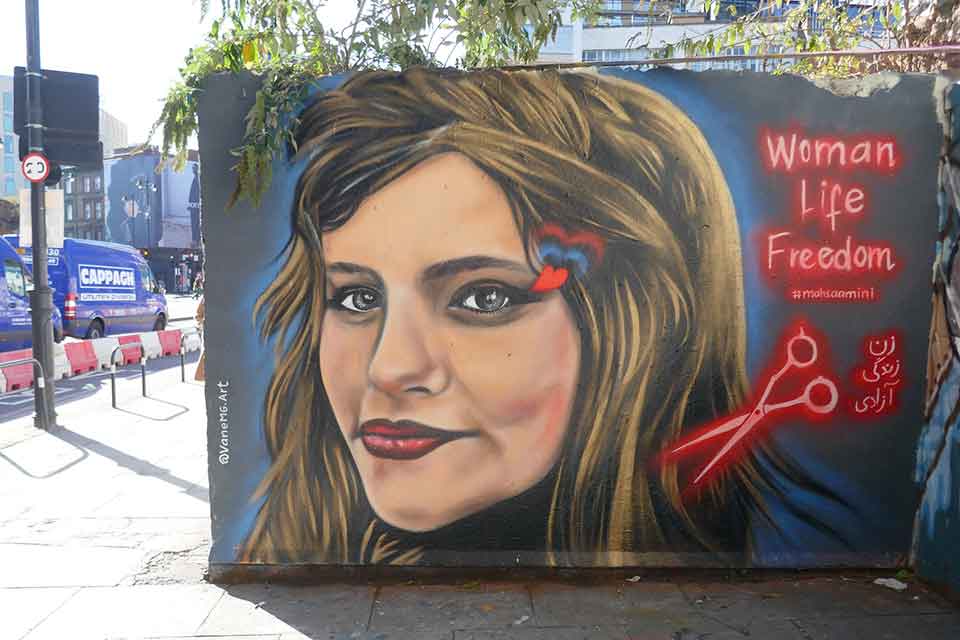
404	440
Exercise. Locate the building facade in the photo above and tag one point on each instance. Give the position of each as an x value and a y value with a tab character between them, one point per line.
113	133
84	204
84	201
157	210
637	30
11	181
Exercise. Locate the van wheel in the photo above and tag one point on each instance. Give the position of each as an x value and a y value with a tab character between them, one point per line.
160	324
95	330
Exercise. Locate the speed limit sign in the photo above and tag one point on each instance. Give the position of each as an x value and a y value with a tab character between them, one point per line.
35	167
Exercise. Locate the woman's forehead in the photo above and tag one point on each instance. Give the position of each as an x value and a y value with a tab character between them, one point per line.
442	209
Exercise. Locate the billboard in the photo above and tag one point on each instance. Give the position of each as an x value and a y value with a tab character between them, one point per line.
180	227
149	209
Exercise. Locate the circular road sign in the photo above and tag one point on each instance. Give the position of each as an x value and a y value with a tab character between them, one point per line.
35	167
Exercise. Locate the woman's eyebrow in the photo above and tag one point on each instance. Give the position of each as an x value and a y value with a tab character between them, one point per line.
353	269
455	266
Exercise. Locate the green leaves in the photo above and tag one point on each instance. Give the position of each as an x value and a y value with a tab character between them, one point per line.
286	43
806	26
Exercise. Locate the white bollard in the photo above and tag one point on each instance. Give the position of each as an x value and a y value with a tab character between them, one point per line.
104	347
61	364
192	342
151	344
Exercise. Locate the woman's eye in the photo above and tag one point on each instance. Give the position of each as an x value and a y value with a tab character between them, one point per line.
358	300
489	299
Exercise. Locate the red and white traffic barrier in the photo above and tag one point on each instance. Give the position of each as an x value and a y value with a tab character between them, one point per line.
82	357
86	356
61	364
104	348
19	376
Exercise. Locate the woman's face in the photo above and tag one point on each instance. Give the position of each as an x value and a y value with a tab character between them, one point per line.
451	382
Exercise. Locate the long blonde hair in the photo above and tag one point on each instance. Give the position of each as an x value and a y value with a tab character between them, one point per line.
661	319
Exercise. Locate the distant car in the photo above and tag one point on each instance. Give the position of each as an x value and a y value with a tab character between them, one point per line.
16	326
103	288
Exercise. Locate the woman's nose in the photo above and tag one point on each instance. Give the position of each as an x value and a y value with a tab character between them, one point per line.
402	362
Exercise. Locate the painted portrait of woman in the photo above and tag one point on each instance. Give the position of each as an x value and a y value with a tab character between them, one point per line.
505	295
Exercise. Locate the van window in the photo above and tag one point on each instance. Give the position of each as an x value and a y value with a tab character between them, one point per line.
14	276
146	275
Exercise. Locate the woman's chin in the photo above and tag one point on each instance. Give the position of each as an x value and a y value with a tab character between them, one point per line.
414	518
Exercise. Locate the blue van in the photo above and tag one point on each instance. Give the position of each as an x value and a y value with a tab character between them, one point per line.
15	286
103	288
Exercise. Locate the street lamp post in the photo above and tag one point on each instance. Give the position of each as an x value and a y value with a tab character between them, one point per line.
41	298
145	190
142	203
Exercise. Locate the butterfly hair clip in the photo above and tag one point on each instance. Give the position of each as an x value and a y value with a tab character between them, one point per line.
562	252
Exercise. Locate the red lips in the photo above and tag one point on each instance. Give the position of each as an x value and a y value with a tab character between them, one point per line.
403	440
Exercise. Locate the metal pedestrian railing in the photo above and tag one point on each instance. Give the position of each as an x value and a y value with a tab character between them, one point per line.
184	334
39	380
39	384
113	369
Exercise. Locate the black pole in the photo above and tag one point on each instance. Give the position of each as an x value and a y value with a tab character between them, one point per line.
41	298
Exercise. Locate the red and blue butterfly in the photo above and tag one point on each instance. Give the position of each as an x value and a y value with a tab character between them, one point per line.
562	252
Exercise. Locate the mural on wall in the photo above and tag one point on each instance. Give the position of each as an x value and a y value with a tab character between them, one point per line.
134	199
181	207
938	454
573	319
150	209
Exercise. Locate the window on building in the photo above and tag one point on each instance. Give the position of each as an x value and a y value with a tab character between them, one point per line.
68	210
7	101
98	209
8	122
97	183
9	186
87	209
8	164
86	184
67	184
616	55
626	13
8	144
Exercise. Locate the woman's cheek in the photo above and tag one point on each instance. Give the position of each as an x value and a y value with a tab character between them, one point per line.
523	374
343	367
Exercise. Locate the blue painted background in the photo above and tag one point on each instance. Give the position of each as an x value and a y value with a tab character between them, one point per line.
244	246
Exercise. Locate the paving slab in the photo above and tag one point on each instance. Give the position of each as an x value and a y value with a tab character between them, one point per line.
317	611
428	608
943	626
130	612
545	633
565	605
371	635
148	533
776	630
26	565
24	609
741	604
271	636
157	501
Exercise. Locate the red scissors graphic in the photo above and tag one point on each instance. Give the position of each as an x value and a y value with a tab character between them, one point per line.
745	422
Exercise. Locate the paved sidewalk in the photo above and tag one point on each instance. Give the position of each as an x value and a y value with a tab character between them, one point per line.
181	306
104	533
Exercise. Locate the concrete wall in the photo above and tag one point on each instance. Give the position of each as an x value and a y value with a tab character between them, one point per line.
937	533
525	319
